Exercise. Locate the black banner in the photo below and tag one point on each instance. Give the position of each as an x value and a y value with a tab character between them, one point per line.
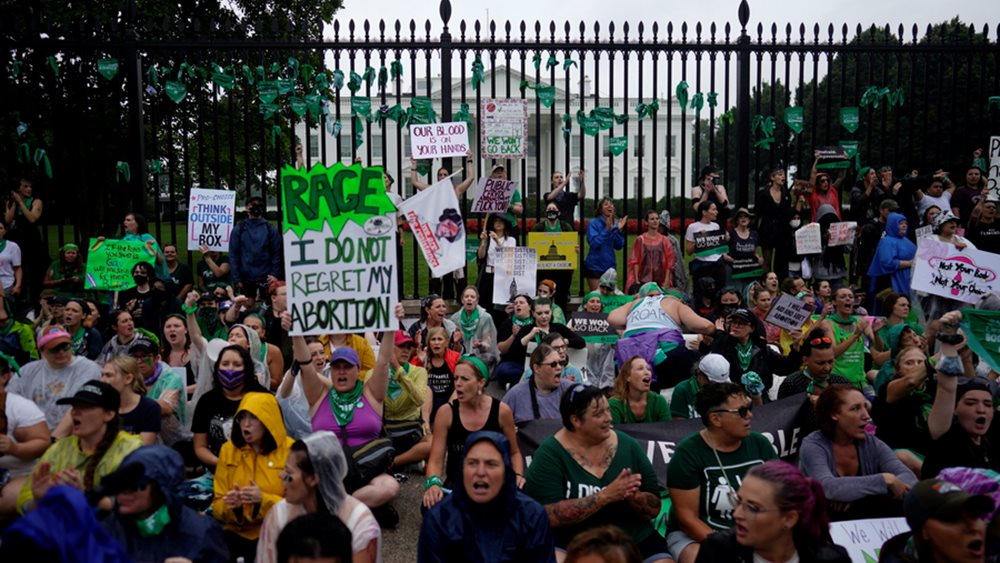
784	423
592	327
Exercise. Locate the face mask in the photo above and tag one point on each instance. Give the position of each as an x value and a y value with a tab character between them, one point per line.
727	310
230	378
139	279
795	223
256	210
552	215
154	524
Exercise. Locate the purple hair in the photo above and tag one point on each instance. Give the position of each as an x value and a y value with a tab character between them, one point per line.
795	491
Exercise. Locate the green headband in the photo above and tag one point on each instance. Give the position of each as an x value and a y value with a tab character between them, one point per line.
70	246
480	366
648	287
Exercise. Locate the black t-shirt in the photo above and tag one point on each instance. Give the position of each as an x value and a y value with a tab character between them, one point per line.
517	351
903	424
955	449
566	203
214	414
206	274
442	383
145	417
178	279
985	236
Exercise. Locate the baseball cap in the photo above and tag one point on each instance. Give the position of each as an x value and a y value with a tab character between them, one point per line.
94	392
715	367
889	204
345	354
941	500
53	337
146	341
744	315
403	339
498	167
743	211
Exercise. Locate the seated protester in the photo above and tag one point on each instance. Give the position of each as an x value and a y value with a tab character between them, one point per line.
471	410
860	474
547	290
780	516
752	363
515	347
897	338
479	333
632	401
58	375
433	313
440	362
537	398
487	518
270	356
789	338
315	537
707	467
24	437
896	308
980	482
87	341
712	368
600	368
511	367
140	415
607	543
815	375
164	386
847	332
902	406
17	339
353	411
147	301
150	519
314	484
248	477
95	449
212	305
213	268
356	342
946	524
291	397
212	422
122	338
570	372
406	422
761	306
618	485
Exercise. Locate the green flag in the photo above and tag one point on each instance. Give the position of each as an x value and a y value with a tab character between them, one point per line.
982	329
617	145
850	118
794	119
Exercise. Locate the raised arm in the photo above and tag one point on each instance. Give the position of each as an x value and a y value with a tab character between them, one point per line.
418	184
378	383
194	329
312	384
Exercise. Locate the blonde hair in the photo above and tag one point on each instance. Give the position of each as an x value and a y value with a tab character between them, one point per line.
126	365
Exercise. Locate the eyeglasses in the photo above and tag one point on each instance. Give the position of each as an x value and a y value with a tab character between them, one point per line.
742	411
821	340
60	348
752	509
562	348
555	364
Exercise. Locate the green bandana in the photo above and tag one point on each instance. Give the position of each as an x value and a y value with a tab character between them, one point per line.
395	388
468	323
343	405
744	353
155	523
521	322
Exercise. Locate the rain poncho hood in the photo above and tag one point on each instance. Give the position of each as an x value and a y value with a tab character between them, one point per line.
330	464
893	249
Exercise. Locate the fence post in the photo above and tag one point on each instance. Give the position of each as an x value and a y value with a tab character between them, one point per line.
743	133
446	115
133	92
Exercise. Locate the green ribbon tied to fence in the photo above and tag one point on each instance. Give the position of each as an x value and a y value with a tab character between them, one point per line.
477	72
42	161
765	127
682	94
552	62
22	128
338	79
107	68
567	126
23	153
155	166
536	60
713	99
122	170
359	132
465	115
396	70
873	95
697	102
53	64
645	110
354	84
568	63
15	68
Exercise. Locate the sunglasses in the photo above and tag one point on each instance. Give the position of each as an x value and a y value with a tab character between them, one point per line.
742	411
821	340
555	364
60	348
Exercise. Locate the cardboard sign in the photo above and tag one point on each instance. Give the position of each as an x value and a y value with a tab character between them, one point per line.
110	263
439	140
593	327
555	251
788	312
340	249
807	240
842	234
504	128
515	274
211	214
993	174
493	195
863	539
437	226
708	243
966	275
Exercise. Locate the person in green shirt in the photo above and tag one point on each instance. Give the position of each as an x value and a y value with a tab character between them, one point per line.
707	468
588	475
712	368
848	332
631	400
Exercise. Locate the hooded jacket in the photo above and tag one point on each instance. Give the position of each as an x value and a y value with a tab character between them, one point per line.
189	534
239	465
893	249
511	527
255	251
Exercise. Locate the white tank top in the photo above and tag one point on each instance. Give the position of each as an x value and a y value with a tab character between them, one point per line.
649	315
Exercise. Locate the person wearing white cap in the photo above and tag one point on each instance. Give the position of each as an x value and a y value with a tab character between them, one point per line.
712	368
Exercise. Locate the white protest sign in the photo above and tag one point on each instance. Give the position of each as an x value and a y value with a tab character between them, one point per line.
842	234
439	140
493	195
436	222
788	312
515	274
504	128
966	275
210	219
993	174
807	240
863	539
925	231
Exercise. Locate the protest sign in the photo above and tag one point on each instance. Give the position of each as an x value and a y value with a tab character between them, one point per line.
863	539
493	195
555	251
210	219
925	231
746	268
784	423
966	275
110	262
708	243
514	274
504	128
612	302
439	140
340	249
592	327
831	158
788	312
437	226
850	118
842	234
982	330
794	119
993	174
807	240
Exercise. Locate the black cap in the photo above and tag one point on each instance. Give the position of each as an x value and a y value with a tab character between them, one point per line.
95	392
744	315
58	300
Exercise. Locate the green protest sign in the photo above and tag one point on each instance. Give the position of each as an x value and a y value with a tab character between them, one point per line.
794	118
982	329
546	94
850	148
110	262
612	302
850	118
617	145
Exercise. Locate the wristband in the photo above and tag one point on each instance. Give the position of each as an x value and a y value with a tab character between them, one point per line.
431	481
303	362
190	310
950	366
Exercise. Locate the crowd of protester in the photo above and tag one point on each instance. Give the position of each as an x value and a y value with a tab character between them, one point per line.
178	419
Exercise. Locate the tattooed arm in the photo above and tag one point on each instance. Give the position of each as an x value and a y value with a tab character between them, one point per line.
646	504
573	511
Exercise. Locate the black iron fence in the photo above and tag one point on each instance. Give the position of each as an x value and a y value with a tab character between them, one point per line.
132	110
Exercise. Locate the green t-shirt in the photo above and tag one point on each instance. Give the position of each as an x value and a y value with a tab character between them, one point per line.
851	364
555	476
682	401
656	410
694	466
